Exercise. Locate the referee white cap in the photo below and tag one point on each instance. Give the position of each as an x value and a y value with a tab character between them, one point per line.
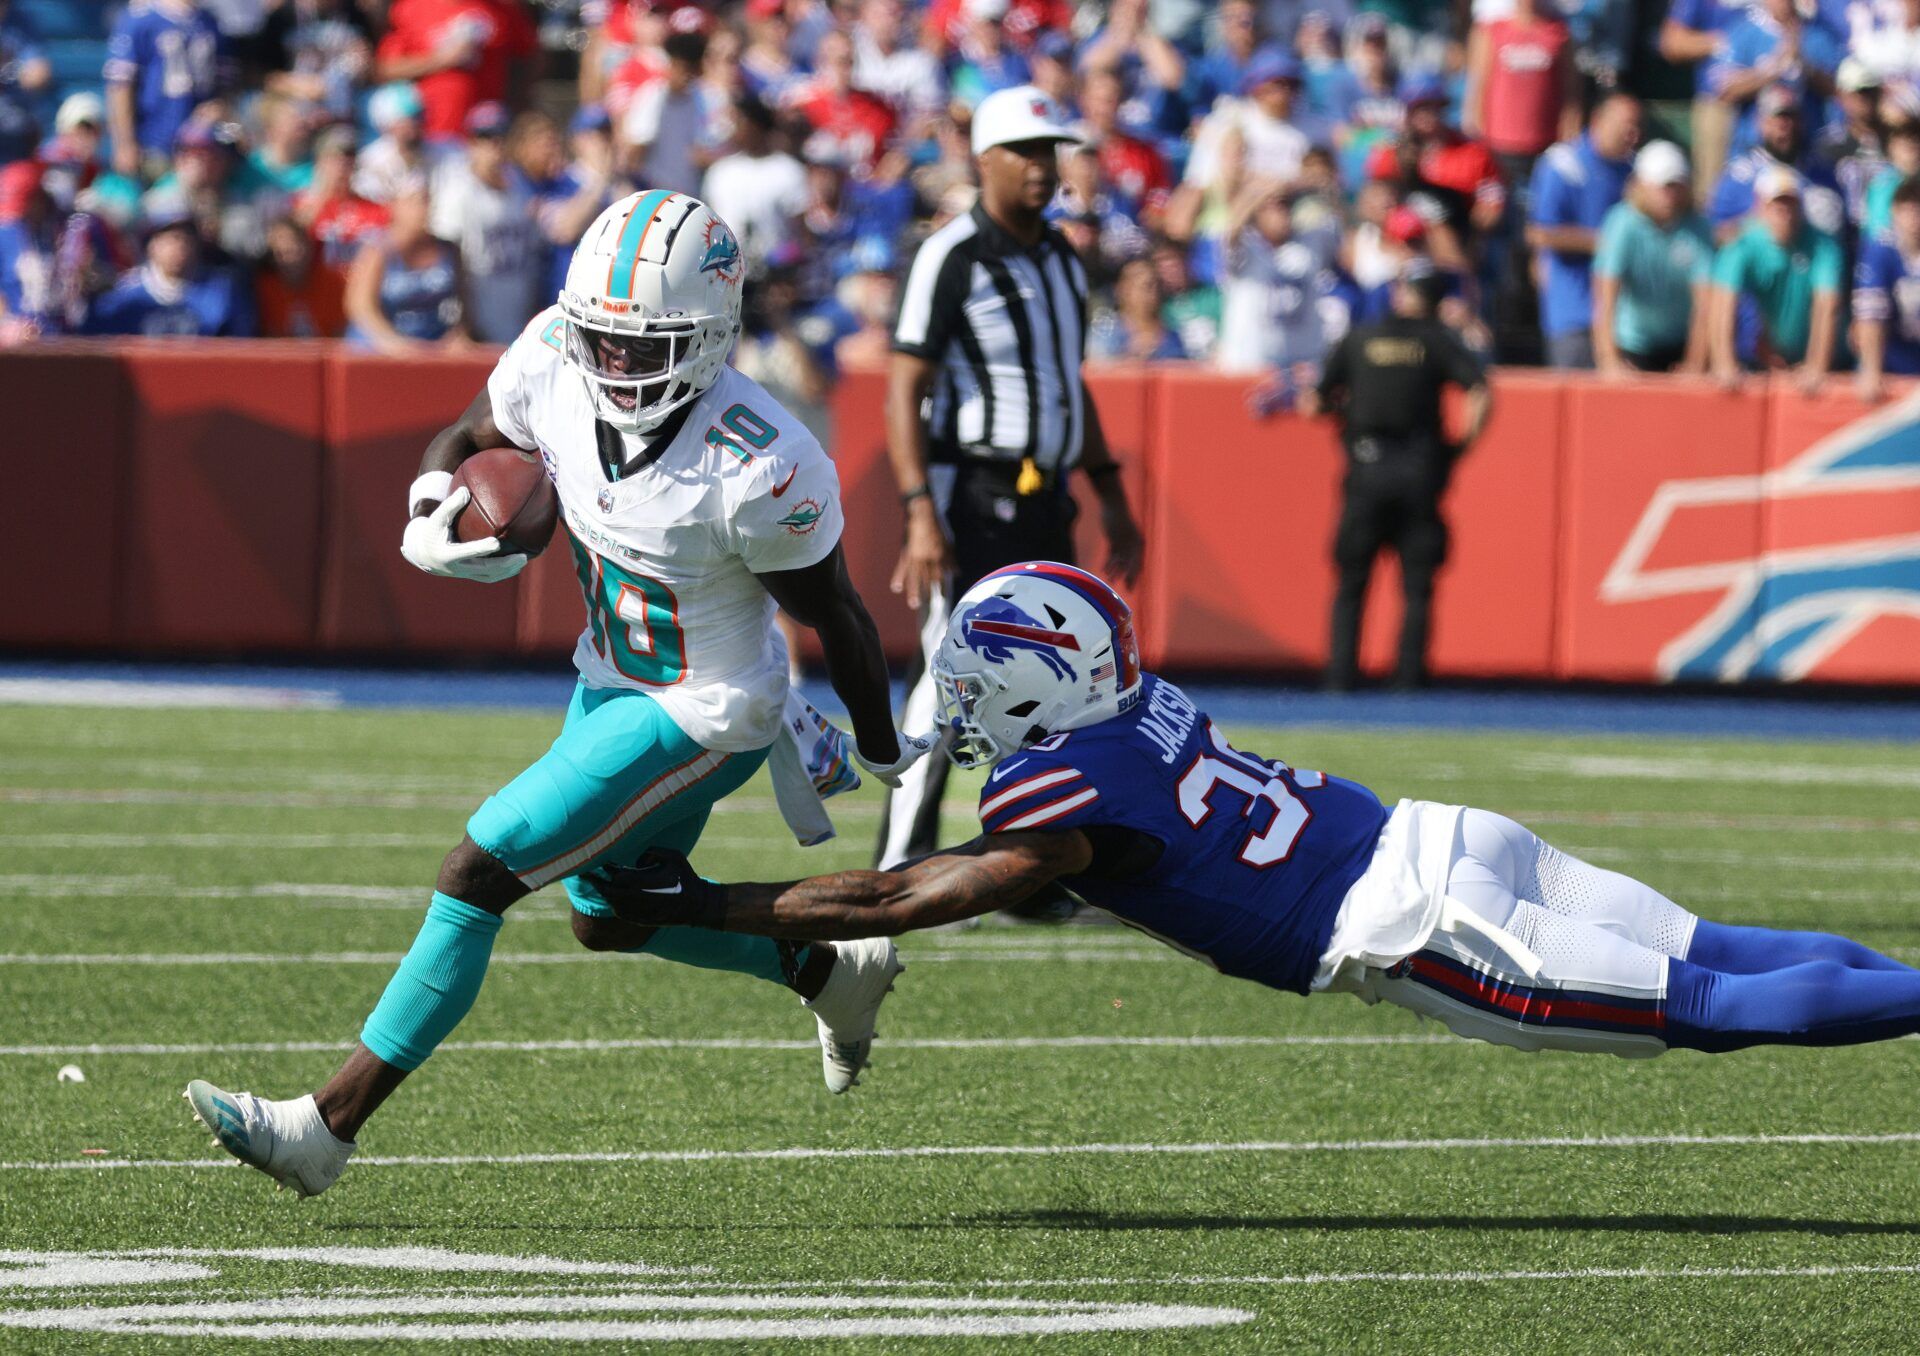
1023	113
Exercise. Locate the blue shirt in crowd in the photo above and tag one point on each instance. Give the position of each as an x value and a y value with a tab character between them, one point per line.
1750	39
1573	185
1706	16
217	303
171	60
1733	194
1886	287
27	258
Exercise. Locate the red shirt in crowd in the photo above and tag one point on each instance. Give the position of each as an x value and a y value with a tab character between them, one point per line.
339	226
1526	84
499	31
1133	167
314	310
859	121
1025	19
1461	168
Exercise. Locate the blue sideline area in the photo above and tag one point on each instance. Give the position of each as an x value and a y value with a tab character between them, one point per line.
1772	715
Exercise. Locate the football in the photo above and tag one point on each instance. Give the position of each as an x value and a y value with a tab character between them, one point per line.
512	500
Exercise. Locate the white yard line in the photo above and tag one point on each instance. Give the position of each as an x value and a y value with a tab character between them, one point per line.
994	1043
1023	1151
131	692
1692	768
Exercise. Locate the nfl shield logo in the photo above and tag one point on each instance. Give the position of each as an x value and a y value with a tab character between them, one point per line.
606	499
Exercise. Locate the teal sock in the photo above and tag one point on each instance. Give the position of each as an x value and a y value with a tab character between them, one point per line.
761	957
435	985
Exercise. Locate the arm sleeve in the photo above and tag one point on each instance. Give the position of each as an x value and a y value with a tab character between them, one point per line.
1731	198
796	528
936	291
507	389
1040	790
123	63
1703	257
1457	363
1548	193
1829	272
1334	375
1729	269
1871	299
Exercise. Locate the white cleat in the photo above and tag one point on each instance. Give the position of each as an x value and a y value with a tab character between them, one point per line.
288	1141
862	977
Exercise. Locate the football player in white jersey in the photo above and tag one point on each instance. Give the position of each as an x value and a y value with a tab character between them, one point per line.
693	504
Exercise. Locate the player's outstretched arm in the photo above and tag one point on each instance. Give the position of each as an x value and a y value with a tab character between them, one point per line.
991	872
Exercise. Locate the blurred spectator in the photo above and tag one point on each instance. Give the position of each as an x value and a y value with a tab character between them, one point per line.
162	63
487	211
1221	71
174	294
337	218
1270	315
858	121
317	51
1886	298
1135	326
889	64
296	297
1429	159
1890	48
774	351
621	44
1090	218
397	160
766	63
670	124
1523	92
1265	140
1363	98
1574	186
1903	162
24	72
403	292
281	158
868	297
1652	272
1191	310
988	62
1792	274
209	183
1693	35
29	239
1769	44
1782	145
74	153
583	188
1150	68
1132	168
460	53
1849	150
757	188
1052	64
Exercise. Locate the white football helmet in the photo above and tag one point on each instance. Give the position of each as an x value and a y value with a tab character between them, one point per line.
1030	651
652	303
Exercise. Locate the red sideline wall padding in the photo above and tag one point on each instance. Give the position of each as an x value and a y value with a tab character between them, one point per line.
223	482
248	497
66	516
380	416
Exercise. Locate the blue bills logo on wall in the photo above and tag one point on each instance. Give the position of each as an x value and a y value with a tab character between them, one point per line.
1806	557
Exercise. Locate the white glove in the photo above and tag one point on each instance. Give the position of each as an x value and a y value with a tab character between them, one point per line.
912	749
429	543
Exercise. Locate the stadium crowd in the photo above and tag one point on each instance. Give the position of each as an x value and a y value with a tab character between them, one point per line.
1254	174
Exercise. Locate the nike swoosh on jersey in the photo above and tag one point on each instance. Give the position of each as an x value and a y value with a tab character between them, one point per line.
781	488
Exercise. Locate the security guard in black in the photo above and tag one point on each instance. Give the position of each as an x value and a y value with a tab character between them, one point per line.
1384	381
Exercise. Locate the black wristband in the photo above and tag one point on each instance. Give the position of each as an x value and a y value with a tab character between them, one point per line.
917	492
1105	468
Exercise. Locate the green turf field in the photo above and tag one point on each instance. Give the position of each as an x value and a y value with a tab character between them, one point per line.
1068	1131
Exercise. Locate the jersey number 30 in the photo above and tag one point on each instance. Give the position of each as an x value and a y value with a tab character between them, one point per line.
634	619
1261	783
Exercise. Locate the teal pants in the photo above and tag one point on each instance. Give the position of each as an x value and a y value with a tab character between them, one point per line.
620	779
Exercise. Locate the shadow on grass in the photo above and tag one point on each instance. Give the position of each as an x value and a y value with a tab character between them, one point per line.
1101	1221
1105	1222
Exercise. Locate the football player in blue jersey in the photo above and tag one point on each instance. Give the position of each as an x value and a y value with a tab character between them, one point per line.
1112	782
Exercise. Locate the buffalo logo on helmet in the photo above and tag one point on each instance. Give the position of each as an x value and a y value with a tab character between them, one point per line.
995	628
722	255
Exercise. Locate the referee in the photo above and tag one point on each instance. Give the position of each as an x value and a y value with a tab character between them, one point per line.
987	411
1384	380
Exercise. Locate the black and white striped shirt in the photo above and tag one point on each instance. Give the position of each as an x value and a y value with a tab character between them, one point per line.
1007	326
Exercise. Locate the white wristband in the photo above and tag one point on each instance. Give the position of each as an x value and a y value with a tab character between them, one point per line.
431	485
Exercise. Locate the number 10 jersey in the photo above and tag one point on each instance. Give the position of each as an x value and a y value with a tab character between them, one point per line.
667	553
1254	857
